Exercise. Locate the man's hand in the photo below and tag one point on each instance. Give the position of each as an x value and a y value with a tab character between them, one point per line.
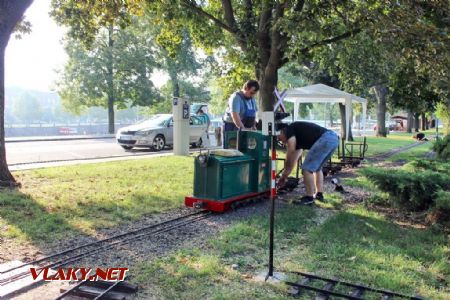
282	181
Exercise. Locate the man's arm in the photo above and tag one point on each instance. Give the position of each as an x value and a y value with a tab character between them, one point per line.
292	156
256	109
237	119
235	110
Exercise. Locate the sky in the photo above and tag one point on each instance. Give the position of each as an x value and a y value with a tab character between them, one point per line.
31	62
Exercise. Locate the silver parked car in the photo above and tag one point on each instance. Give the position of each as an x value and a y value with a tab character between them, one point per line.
157	132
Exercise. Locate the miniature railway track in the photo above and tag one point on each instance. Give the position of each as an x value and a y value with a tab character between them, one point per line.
332	287
88	158
71	255
99	290
135	154
387	154
325	288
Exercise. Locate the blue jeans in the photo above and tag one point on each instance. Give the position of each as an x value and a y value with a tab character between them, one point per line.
320	152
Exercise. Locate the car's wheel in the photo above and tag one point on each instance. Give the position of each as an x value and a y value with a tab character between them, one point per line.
126	147
159	142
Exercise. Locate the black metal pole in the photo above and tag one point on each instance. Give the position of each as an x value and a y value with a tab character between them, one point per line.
272	200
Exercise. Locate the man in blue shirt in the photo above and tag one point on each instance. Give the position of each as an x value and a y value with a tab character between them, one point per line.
241	110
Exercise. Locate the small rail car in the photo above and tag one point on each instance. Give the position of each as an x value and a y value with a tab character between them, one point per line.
227	178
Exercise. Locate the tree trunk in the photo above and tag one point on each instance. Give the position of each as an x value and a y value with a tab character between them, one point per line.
423	122
10	14
409	124
176	88
111	128
416	122
380	94
268	83
6	178
110	80
344	125
270	49
173	74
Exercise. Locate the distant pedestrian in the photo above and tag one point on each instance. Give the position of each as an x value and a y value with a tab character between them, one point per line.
218	135
205	118
420	137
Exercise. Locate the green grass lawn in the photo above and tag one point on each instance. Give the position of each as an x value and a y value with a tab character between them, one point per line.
377	145
354	245
392	141
409	155
58	202
413	153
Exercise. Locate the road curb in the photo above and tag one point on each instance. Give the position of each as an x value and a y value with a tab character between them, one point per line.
50	139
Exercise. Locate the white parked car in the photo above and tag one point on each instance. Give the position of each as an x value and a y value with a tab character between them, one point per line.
157	133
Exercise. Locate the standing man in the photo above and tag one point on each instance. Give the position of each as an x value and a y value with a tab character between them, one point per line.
204	116
321	144
218	135
241	110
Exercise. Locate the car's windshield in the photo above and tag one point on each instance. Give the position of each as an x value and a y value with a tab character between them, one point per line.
156	120
195	108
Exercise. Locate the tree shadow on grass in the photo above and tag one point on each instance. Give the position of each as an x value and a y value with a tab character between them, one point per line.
24	218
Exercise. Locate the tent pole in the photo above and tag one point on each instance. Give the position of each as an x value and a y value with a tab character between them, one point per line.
348	107
364	116
296	105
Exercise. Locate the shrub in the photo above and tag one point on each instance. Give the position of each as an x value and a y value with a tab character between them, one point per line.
442	147
410	190
426	164
440	214
377	199
443	201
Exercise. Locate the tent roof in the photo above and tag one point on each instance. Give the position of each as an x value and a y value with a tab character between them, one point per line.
320	93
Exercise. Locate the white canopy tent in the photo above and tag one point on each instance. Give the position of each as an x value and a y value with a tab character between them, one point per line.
321	93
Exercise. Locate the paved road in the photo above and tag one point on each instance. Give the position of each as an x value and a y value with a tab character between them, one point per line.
20	153
28	152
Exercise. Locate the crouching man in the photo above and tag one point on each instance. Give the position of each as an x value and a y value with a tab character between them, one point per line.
321	144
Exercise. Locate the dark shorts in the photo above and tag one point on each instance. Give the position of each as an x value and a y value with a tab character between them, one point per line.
320	152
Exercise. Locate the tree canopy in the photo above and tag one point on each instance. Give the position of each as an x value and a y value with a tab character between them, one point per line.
113	72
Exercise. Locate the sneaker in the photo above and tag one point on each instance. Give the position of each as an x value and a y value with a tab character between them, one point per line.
305	200
318	196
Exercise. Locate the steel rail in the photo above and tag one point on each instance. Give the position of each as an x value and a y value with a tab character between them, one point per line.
155	153
100	241
77	257
394	151
68	292
81	283
343	283
107	290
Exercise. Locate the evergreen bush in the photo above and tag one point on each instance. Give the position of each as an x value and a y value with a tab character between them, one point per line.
410	190
442	147
440	213
426	164
443	201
